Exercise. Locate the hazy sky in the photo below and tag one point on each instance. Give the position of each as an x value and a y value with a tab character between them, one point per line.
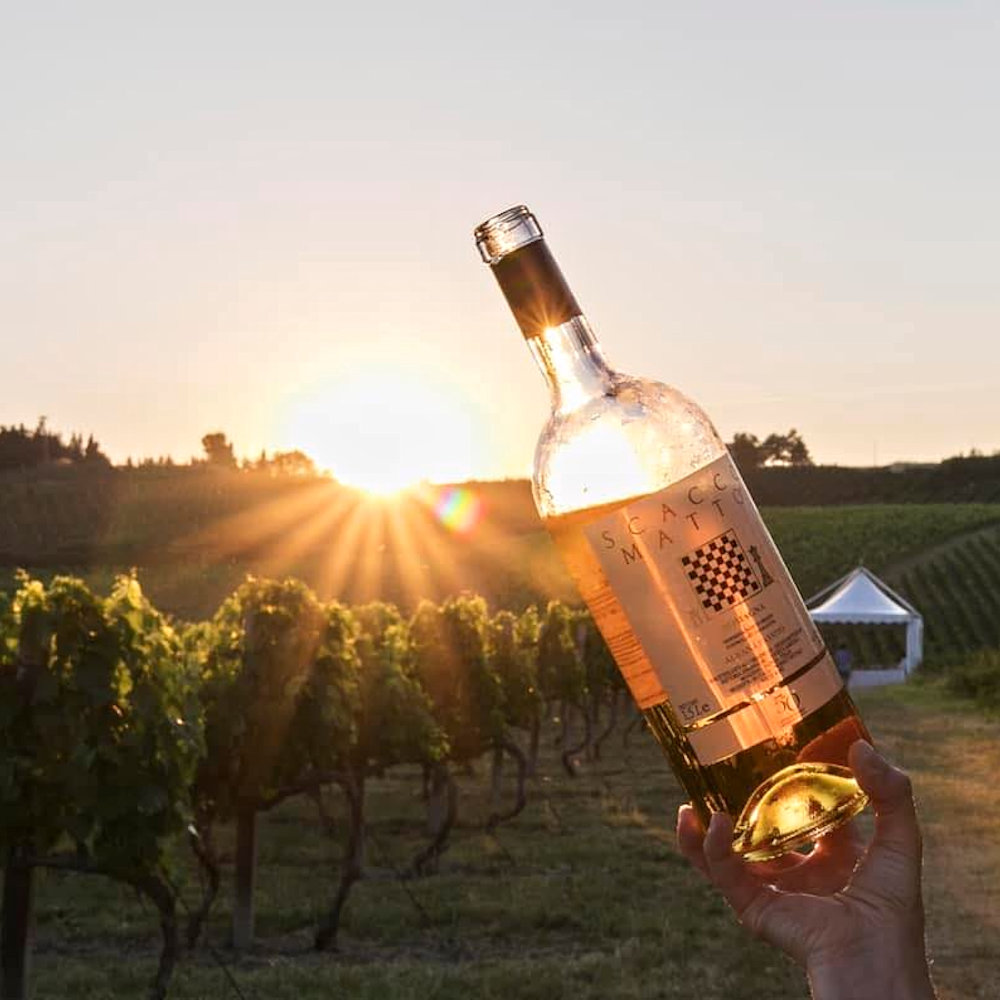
257	218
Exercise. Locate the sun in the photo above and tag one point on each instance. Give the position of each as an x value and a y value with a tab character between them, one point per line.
385	430
383	483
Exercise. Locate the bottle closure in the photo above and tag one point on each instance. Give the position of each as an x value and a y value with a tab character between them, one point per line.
506	232
512	243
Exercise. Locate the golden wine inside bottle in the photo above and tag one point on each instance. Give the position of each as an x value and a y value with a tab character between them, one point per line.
681	576
804	803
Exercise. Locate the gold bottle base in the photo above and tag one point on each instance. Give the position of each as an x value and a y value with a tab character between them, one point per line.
794	807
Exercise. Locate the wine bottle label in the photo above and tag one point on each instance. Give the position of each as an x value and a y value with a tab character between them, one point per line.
535	289
715	624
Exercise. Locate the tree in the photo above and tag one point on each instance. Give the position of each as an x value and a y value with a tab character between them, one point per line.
93	455
450	655
785	450
323	741
394	724
561	673
530	704
749	452
286	463
604	679
745	449
512	645
218	451
74	450
264	643
21	448
299	696
100	732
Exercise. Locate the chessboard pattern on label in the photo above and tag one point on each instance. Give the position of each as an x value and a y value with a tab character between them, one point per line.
720	573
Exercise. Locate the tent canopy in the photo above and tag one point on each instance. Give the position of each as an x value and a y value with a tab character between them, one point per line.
861	598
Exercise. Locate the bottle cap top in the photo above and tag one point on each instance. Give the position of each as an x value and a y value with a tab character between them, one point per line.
506	232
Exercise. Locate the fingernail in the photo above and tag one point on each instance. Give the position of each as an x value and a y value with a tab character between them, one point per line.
868	756
718	842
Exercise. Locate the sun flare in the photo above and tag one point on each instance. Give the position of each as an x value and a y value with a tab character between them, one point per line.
383	431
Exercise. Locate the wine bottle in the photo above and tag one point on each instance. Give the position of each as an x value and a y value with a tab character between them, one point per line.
680	574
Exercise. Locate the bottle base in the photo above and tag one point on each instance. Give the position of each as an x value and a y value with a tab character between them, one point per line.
794	807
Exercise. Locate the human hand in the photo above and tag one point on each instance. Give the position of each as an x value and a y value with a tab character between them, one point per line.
851	915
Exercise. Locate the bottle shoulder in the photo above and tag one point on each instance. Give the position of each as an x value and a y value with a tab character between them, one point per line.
637	437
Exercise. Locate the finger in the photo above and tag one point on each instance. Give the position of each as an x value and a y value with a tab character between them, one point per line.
891	795
691	838
890	871
787	920
842	849
777	868
846	840
746	894
828	867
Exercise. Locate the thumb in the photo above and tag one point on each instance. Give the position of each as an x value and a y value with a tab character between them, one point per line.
891	794
892	863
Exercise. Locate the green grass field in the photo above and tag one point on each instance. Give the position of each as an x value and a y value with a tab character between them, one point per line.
583	895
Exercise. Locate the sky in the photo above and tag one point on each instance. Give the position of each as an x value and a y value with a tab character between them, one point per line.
257	218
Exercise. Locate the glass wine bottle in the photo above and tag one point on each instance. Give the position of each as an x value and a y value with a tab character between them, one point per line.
667	549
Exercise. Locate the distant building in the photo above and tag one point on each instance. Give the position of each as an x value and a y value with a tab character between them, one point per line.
910	466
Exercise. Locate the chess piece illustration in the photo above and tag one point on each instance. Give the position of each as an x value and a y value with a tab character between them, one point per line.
765	578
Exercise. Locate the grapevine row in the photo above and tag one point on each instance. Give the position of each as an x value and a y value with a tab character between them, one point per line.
122	733
958	592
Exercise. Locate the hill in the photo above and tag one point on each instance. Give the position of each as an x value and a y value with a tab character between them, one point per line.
956	586
963	479
193	533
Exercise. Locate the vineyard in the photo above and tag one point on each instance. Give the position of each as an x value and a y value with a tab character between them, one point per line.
122	735
297	797
957	587
942	558
177	759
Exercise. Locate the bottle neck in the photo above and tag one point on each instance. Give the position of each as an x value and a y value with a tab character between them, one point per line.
547	312
535	288
572	362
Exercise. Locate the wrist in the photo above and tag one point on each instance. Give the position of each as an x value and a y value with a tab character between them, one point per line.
875	978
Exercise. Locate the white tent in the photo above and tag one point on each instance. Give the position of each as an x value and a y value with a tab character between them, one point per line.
861	598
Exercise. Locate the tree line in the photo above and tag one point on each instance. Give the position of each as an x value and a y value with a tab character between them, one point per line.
121	733
775	451
21	448
24	448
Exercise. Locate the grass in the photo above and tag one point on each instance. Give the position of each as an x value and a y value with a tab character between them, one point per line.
584	896
952	751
